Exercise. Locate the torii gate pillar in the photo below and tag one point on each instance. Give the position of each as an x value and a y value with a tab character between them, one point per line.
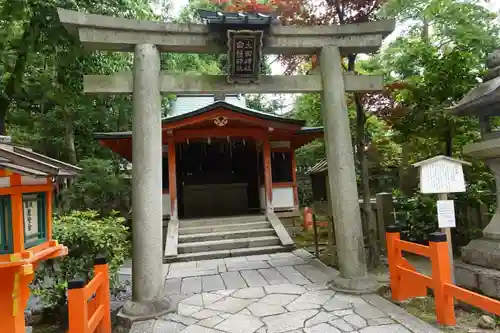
342	175
147	260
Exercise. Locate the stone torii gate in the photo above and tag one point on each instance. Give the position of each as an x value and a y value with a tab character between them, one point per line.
146	82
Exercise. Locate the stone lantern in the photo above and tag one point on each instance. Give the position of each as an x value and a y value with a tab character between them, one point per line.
480	264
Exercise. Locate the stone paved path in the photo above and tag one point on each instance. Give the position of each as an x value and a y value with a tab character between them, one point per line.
283	292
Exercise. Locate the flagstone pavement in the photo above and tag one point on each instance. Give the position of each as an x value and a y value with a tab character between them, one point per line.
283	292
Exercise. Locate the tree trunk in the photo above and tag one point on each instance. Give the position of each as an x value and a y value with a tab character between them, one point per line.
405	186
448	151
369	217
425	30
69	135
29	37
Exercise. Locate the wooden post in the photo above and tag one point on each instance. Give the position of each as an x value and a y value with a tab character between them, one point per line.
103	298
49	206
441	275
268	182
294	181
172	179
77	307
16	201
393	255
447	232
14	294
315	229
385	214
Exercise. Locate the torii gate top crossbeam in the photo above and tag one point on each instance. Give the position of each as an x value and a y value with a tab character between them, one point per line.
99	32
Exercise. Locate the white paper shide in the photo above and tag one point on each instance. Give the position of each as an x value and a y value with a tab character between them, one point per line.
446	213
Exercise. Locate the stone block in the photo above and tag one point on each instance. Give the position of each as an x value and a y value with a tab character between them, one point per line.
210	322
288	321
233	280
272	276
488	285
482	252
191	285
167	326
293	275
260	309
212	282
312	273
321	317
285	289
486	280
230	304
240	323
465	277
256	292
342	325
253	278
279	299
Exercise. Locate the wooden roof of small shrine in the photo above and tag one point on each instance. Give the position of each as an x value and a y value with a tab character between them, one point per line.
238	110
26	162
240	122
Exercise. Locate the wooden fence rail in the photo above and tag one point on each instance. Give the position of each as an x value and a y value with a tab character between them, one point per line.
89	305
406	282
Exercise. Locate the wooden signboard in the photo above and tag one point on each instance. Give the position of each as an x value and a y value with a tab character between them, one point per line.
244	55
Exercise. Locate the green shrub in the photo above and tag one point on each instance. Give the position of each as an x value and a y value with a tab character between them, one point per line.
102	185
418	215
87	235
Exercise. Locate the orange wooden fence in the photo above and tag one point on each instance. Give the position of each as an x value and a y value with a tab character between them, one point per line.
406	282
88	305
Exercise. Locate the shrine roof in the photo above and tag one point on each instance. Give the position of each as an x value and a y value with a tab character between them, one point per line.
220	104
319	167
235	108
306	130
25	161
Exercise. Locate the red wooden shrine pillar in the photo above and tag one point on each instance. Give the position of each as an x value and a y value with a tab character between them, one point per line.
268	182
172	179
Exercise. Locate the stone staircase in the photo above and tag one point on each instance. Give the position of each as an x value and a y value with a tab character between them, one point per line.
200	239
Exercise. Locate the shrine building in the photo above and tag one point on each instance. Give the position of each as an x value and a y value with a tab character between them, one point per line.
221	158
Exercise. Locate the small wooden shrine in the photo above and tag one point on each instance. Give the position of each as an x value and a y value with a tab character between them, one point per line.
224	159
26	190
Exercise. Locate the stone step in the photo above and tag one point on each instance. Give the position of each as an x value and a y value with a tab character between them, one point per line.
227	244
184	230
221	220
210	236
227	253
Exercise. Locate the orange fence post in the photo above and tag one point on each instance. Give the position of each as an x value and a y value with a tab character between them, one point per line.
392	235
441	275
103	298
308	218
77	307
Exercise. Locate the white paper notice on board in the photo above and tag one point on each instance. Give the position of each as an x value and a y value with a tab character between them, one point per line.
442	177
446	213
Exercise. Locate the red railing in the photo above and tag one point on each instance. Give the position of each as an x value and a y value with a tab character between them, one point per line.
89	305
406	282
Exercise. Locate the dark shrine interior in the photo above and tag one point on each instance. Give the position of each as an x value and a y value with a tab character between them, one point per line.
221	170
